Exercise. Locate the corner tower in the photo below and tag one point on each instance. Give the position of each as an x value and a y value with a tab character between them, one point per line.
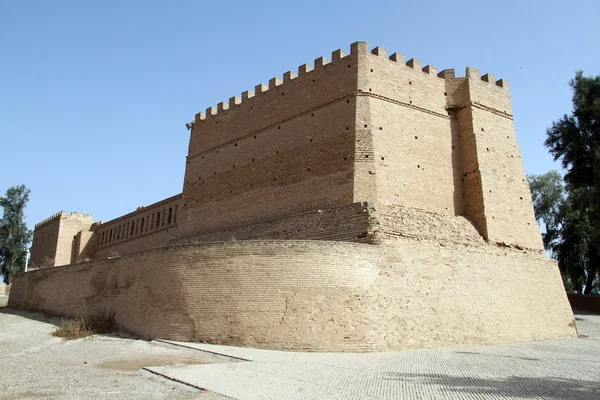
495	191
364	127
440	144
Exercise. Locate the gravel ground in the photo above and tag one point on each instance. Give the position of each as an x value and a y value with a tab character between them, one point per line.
34	364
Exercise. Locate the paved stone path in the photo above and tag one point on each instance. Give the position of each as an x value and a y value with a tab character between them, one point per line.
559	369
588	324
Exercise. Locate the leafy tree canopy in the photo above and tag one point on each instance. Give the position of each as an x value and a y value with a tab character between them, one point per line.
14	235
571	213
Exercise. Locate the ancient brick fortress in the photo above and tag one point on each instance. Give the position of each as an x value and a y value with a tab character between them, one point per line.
365	203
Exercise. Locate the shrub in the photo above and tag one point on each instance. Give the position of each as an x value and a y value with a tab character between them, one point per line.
79	327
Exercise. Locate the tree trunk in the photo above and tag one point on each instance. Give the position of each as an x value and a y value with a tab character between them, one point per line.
589	282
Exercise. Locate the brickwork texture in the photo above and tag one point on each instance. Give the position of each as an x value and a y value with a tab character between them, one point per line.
314	295
366	202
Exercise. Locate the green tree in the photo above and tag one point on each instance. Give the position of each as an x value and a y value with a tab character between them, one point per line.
14	235
548	195
572	218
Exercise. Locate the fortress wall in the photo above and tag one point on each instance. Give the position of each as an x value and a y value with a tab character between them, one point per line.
139	230
416	152
231	292
415	159
508	207
281	100
350	223
305	165
315	295
470	295
507	200
407	222
286	150
45	238
474	207
496	193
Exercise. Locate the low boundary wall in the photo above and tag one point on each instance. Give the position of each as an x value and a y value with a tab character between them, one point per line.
583	302
314	295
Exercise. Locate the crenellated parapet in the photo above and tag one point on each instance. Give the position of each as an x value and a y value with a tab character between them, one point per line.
475	74
305	72
52	218
247	97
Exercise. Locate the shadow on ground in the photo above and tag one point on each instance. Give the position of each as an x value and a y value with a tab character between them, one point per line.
513	387
56	321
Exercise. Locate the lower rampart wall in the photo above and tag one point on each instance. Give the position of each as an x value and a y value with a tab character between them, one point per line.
414	223
314	295
354	222
138	244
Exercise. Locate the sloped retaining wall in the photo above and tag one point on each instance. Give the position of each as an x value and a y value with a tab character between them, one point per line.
314	295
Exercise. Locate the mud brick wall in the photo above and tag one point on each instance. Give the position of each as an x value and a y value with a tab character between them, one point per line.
408	222
45	239
142	229
367	126
53	237
280	150
315	295
350	223
415	157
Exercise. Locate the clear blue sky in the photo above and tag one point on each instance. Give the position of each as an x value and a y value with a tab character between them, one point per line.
94	95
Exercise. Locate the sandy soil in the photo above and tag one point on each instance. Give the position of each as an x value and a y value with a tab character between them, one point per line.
34	364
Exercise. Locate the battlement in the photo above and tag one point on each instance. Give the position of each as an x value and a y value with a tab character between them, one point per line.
63	214
470	73
52	218
248	96
473	73
356	49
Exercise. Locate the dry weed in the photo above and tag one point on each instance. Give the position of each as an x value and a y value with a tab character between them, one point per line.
79	327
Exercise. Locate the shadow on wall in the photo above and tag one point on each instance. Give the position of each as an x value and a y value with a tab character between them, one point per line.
509	387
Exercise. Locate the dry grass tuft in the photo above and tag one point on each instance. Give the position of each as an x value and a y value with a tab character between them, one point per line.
79	327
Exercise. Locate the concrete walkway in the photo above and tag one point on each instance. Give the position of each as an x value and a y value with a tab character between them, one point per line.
36	365
559	369
588	325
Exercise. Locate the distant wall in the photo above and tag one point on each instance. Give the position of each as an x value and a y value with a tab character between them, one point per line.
53	238
315	295
84	246
139	230
70	226
350	223
45	239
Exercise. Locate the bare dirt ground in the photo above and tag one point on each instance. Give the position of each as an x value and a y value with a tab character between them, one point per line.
34	364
